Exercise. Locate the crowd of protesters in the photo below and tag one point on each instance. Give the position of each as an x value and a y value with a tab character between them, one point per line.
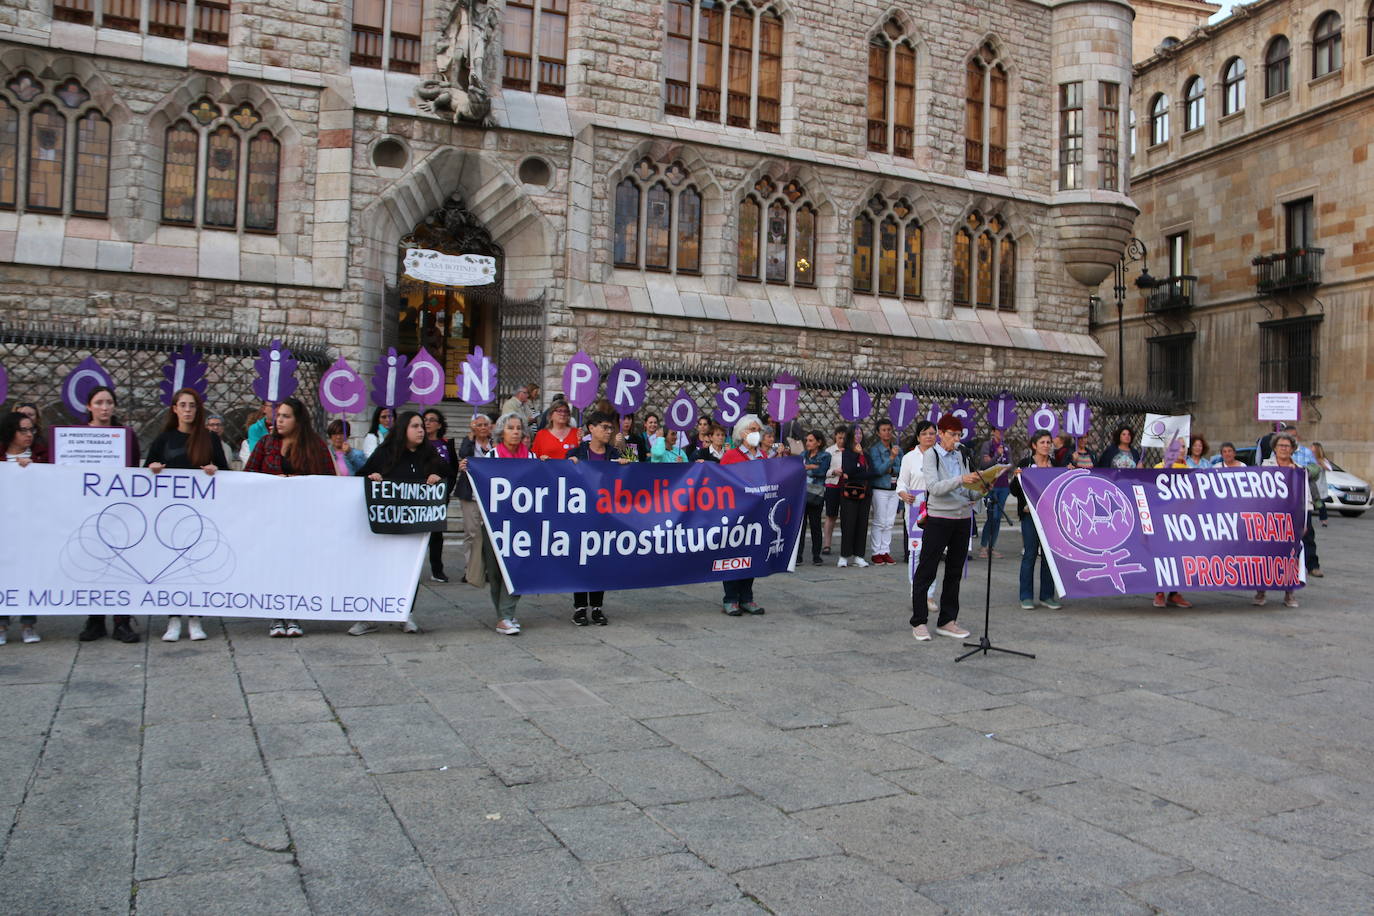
858	482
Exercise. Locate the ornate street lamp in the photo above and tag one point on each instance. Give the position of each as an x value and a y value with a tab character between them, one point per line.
1135	251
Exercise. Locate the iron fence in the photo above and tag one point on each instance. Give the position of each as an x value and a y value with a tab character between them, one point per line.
39	357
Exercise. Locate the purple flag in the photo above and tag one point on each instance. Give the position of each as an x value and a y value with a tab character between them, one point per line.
682	413
782	401
731	400
185	369
902	408
389	386
1111	531
1044	418
1078	416
76	387
276	373
1002	411
855	404
581	379
626	384
4	384
477	379
342	390
425	379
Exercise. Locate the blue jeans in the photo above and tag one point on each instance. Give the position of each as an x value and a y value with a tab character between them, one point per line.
738	591
1030	546
993	525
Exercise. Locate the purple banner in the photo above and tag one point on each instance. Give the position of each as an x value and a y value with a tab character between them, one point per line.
561	526
1113	532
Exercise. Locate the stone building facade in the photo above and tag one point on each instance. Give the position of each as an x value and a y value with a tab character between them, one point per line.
1253	177
668	179
1163	22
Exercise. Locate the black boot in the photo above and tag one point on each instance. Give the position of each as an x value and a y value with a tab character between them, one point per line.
94	629
124	630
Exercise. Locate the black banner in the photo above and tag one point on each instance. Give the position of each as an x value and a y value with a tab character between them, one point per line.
401	507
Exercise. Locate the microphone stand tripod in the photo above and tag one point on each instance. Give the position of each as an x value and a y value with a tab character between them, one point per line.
984	644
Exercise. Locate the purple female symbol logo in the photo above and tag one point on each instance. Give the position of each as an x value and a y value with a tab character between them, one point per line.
626	384
1002	411
855	403
185	369
76	387
425	379
731	400
389	385
1091	518
581	379
341	389
1158	428
477	379
681	414
781	399
903	407
276	373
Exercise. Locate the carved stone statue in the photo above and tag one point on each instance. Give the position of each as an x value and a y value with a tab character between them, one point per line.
461	90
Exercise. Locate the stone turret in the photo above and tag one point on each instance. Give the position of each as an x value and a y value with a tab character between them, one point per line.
1092	56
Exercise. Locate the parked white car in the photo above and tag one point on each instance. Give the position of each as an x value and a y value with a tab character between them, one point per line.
1346	492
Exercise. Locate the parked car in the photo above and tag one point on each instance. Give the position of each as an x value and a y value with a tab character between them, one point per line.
1345	492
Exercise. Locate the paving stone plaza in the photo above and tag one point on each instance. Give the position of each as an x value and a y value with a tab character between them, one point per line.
812	760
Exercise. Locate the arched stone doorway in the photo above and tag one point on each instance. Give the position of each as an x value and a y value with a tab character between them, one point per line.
450	321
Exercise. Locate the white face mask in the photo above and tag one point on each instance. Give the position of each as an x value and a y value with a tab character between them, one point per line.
753	439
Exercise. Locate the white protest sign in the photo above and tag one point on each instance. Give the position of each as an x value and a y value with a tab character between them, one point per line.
1278	405
235	544
1160	430
449	269
90	446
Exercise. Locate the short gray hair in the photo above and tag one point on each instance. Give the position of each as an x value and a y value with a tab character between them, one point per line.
742	426
1293	443
505	418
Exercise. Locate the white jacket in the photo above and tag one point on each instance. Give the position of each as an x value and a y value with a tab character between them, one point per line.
911	477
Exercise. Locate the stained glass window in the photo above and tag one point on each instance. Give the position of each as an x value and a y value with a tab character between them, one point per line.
47	153
179	174
962	272
244	116
222	178
749	239
72	95
911	261
689	231
92	165
627	224
770	72
25	87
805	261
741	65
863	254
658	227
710	44
204	111
264	164
888	234
984	298
9	154
1006	281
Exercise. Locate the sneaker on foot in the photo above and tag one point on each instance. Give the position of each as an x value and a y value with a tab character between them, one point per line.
1027	604
921	633
293	630
173	630
4	637
842	562
29	635
859	562
816	561
580	617
1258	600
508	626
732	609
125	632
362	628
278	629
1290	601
94	629
750	607
409	626
1178	600
438	577
826	551
1316	572
1159	599
1053	604
194	629
952	629
599	617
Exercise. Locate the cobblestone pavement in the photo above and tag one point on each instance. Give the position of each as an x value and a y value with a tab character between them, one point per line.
812	760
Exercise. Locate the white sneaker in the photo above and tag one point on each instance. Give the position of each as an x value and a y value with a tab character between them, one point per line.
362	628
508	626
860	562
4	636
841	562
173	630
30	635
410	626
194	628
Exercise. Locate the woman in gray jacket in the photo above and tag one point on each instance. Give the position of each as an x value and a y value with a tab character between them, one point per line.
949	524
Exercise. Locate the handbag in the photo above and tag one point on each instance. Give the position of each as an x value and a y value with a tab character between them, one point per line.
854	491
921	515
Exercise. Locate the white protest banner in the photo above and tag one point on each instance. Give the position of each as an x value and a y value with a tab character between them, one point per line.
1278	405
127	541
449	269
90	446
1160	430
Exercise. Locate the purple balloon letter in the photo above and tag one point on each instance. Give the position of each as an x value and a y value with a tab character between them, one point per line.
76	387
855	404
185	369
341	389
681	413
389	386
902	408
276	373
581	379
731	400
626	384
477	379
425	379
782	401
1043	418
1078	416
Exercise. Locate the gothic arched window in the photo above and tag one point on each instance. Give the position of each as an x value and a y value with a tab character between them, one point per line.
236	184
888	255
658	219
985	116
54	149
891	91
784	240
985	264
709	50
